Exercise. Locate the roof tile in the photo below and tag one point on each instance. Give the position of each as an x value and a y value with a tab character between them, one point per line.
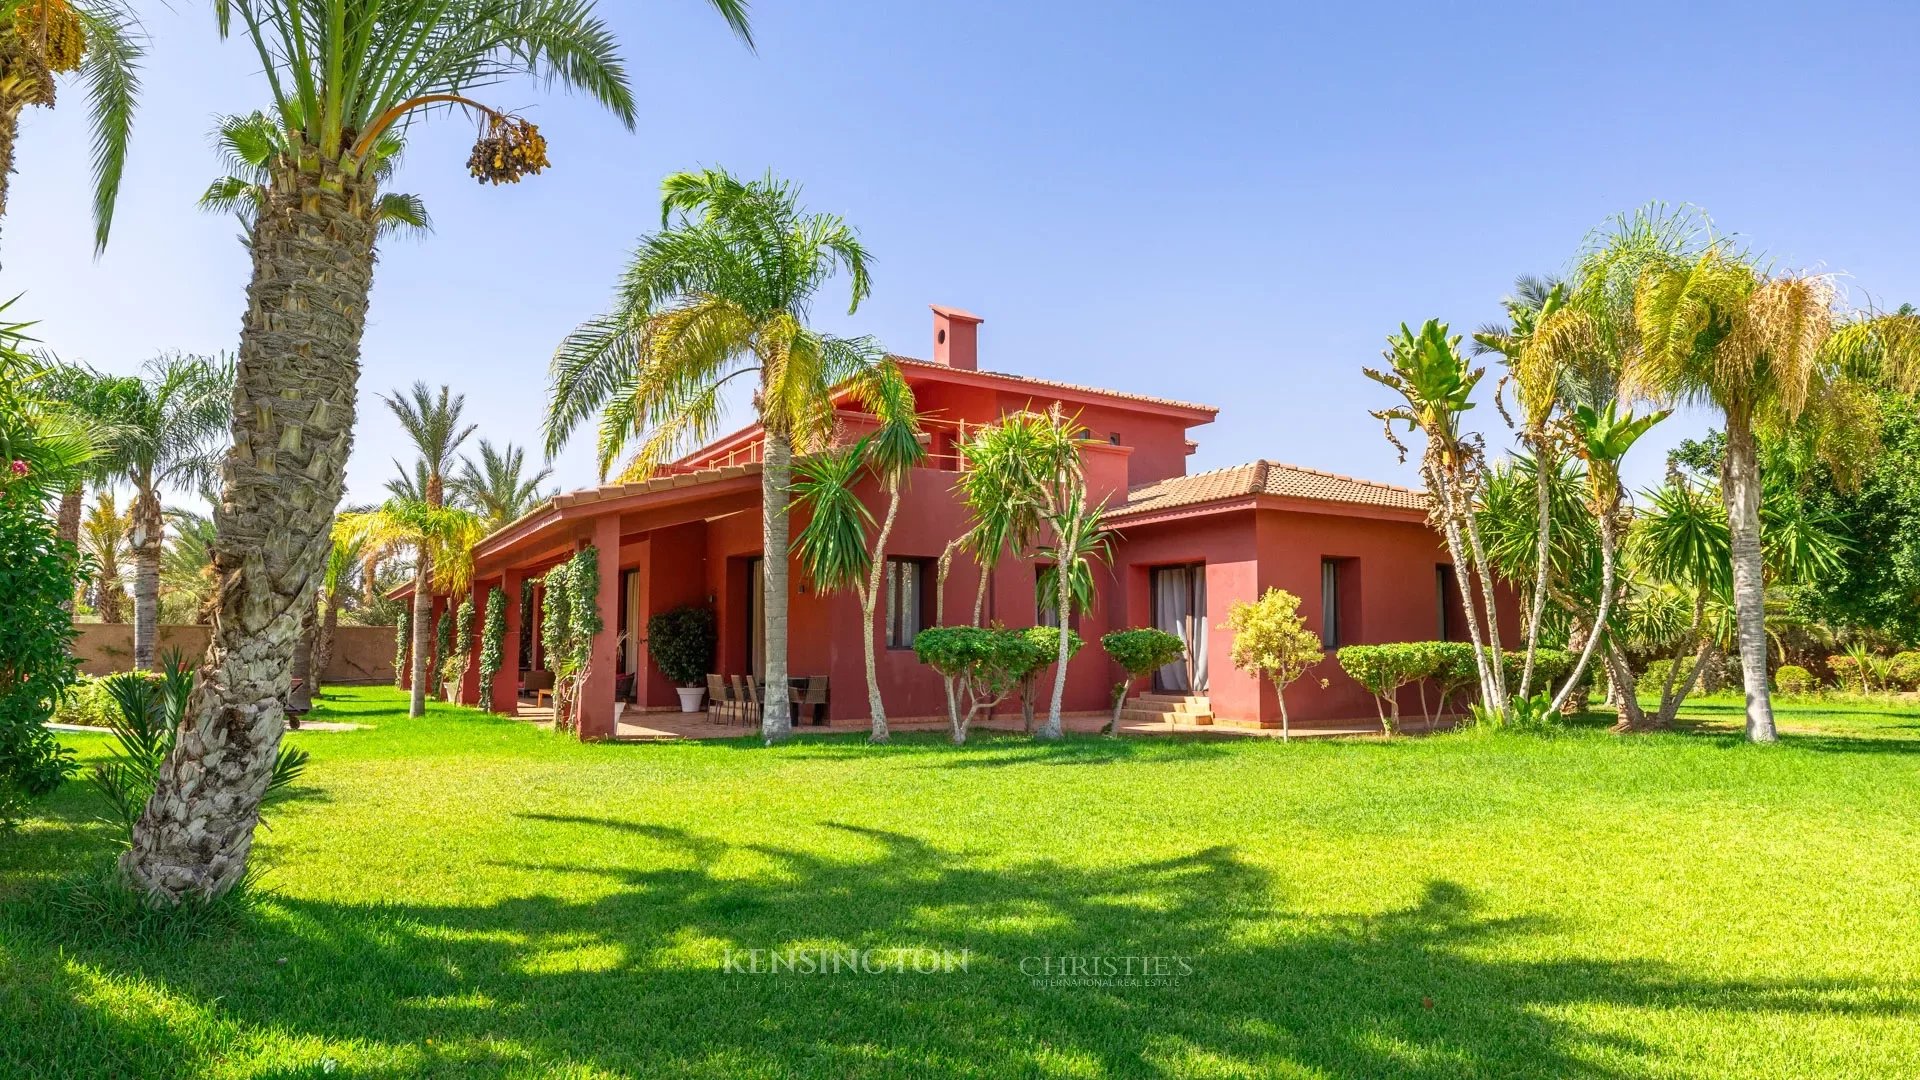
1267	478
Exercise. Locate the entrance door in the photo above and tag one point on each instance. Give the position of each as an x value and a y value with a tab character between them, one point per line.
1180	608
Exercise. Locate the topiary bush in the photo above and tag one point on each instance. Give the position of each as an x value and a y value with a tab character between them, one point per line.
1794	679
1384	669
1847	673
1139	652
1046	645
681	642
979	665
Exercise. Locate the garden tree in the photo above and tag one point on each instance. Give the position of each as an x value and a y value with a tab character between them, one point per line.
720	292
1428	372
441	537
1877	583
1271	641
36	636
169	434
186	569
1021	482
1533	346
979	667
1045	642
41	40
432	423
1681	541
493	639
833	545
249	145
340	78
498	488
93	401
1384	669
1760	347
1138	653
346	555
1601	440
103	539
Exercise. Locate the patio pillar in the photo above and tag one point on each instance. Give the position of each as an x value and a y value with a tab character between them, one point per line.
470	682
596	697
505	691
404	649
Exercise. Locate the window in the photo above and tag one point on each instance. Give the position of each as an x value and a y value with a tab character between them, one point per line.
1329	603
906	601
1444	590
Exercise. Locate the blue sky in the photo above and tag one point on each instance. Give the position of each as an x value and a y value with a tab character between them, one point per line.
1228	203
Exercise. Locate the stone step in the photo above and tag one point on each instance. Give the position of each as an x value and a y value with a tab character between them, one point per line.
1184	706
1158	697
1149	716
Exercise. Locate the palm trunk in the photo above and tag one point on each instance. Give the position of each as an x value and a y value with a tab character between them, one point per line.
149	526
1443	493
776	475
1631	716
1483	570
67	523
1670	703
1542	553
980	594
1070	542
868	599
1599	630
281	483
1741	487
323	642
423	630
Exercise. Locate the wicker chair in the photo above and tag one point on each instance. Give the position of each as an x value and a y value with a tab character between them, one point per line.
719	698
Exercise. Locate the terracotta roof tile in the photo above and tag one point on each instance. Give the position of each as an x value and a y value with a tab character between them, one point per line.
1268	478
1076	387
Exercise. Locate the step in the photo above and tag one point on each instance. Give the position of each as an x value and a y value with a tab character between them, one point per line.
1184	708
1174	699
1148	716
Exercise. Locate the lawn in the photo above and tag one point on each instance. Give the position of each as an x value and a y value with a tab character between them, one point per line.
462	895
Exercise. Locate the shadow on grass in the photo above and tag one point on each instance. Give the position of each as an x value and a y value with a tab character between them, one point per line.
627	974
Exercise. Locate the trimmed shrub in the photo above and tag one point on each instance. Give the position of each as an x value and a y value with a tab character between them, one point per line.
1046	652
980	666
1847	673
1140	651
681	642
1384	669
1794	679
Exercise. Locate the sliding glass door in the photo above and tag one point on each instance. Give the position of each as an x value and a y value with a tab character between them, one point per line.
1180	608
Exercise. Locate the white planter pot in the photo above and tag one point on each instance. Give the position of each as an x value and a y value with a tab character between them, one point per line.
690	697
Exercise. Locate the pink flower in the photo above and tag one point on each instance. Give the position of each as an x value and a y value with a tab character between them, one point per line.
19	467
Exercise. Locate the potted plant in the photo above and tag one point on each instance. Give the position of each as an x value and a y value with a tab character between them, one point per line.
681	641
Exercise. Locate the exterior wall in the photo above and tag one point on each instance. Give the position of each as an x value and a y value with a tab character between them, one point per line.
361	654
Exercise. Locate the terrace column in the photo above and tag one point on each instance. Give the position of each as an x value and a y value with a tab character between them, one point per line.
505	691
470	682
596	697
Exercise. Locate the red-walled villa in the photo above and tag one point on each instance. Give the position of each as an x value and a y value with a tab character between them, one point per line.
1359	555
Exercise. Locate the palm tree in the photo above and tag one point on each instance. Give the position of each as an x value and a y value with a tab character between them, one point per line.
1603	439
432	423
250	144
1436	385
1535	368
103	538
498	488
1718	331
833	545
91	400
441	537
168	435
100	39
186	569
342	76
721	292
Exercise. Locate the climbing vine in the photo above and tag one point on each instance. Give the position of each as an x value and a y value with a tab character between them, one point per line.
570	620
443	644
453	665
402	634
493	636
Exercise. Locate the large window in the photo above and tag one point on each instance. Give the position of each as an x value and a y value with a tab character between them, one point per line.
1446	590
907	601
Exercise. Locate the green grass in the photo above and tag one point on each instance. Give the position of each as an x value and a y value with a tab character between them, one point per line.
460	895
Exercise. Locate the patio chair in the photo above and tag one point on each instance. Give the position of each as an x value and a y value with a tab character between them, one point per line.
740	696
814	697
753	700
719	698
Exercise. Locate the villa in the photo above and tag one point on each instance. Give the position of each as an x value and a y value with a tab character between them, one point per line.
1359	554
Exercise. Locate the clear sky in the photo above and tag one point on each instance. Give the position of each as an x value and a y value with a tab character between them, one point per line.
1228	203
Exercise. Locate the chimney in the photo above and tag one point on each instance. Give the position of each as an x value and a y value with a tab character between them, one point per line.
956	338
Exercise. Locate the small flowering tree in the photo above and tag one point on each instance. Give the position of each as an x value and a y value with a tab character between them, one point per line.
1271	640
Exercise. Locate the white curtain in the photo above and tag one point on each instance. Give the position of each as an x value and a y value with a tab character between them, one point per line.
1180	608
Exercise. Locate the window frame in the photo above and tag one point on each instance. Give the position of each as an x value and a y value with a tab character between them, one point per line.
891	576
